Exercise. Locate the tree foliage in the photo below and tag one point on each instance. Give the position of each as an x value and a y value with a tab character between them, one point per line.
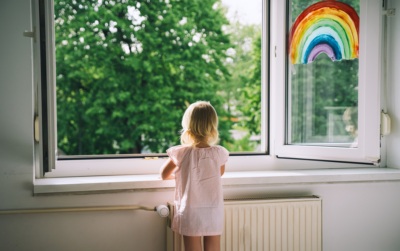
316	88
252	92
127	70
242	92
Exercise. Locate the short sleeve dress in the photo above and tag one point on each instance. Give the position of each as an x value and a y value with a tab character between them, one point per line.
199	204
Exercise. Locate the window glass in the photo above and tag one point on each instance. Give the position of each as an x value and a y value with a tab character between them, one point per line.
322	72
127	70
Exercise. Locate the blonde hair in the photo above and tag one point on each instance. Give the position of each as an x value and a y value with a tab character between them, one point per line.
199	123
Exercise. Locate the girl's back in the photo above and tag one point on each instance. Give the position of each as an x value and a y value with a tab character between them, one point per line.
198	165
199	207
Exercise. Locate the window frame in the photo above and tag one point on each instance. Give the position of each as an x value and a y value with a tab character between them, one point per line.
136	164
45	95
368	150
44	60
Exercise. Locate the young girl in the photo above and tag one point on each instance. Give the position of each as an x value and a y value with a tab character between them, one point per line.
198	165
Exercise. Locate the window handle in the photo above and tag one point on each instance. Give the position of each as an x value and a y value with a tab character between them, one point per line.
31	34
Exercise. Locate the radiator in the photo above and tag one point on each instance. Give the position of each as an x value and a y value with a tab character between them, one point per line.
267	224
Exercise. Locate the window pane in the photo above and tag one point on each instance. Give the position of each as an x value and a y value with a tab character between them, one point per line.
127	70
322	73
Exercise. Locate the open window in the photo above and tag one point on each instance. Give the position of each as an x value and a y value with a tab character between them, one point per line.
117	76
123	72
327	68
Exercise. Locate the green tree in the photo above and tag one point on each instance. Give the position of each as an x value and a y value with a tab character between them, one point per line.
252	92
126	71
241	64
316	88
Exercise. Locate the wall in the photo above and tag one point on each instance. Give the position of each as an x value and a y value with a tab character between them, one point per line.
356	216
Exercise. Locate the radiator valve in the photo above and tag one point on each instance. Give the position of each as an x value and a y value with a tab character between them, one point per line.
162	210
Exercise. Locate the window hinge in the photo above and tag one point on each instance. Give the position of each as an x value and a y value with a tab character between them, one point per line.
375	160
385	124
389	12
36	128
31	34
275	51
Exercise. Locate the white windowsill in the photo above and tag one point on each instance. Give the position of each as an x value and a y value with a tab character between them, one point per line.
112	184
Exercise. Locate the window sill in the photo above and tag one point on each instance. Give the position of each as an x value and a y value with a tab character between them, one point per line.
151	182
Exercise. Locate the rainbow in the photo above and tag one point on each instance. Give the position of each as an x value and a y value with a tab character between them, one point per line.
329	27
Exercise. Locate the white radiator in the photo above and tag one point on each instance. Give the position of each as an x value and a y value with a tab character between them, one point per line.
267	224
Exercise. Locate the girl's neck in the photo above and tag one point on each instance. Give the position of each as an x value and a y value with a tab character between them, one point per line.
202	144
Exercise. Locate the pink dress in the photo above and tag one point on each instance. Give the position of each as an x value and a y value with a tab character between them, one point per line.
199	203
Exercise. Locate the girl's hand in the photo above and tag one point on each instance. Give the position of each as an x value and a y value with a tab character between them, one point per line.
171	177
222	170
167	169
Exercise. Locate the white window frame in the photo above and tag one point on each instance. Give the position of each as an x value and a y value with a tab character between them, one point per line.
45	149
368	150
272	112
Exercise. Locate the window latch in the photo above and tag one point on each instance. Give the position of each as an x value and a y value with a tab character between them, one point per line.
389	12
155	158
151	158
31	34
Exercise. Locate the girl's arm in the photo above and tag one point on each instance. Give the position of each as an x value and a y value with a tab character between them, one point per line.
222	170
167	169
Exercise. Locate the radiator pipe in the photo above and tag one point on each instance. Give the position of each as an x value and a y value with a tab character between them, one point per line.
162	210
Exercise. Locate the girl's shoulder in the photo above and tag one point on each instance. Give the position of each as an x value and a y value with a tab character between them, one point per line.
222	150
223	154
176	153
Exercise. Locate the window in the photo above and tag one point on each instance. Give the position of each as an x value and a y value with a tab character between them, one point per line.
331	73
323	110
122	73
126	71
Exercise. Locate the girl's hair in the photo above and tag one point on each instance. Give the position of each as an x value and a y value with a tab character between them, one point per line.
199	123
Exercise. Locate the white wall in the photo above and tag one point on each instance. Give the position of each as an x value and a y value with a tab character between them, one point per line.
356	216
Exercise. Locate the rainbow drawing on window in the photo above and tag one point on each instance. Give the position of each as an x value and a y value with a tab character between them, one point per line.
329	27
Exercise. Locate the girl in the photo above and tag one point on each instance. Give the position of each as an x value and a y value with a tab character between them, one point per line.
198	165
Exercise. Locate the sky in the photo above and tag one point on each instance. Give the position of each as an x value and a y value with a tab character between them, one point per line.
248	11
